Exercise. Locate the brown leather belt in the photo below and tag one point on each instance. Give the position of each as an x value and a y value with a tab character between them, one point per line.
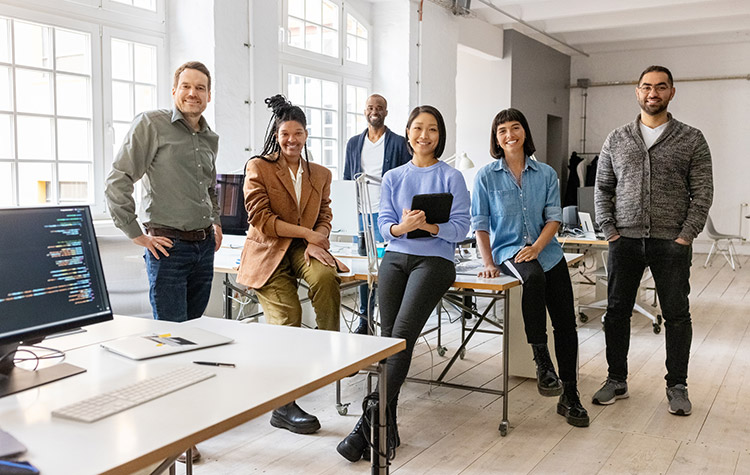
195	235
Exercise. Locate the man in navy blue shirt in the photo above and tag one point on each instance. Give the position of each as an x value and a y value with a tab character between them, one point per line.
374	152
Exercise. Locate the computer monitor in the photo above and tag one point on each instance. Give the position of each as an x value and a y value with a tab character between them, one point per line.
586	202
231	203
344	208
51	280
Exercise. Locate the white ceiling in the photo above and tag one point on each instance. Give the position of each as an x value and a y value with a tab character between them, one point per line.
615	25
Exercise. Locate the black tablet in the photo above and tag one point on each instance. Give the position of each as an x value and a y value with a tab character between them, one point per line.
437	208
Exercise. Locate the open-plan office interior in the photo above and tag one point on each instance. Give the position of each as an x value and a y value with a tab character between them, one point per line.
74	73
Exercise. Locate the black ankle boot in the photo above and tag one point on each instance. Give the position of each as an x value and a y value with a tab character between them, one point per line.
570	406
294	419
354	445
393	440
547	381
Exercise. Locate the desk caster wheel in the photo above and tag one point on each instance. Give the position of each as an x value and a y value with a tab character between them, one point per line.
343	409
657	328
583	317
441	350
658	319
503	429
462	354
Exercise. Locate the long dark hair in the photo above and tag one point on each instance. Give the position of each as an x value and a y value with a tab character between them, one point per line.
510	115
282	111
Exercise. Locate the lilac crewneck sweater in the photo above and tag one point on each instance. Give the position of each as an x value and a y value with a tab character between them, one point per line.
399	187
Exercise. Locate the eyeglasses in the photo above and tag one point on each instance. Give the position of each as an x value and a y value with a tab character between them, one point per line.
646	88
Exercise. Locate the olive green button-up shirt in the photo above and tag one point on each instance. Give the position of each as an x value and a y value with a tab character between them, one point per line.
177	169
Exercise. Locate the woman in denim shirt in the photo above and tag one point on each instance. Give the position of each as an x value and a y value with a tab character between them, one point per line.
515	211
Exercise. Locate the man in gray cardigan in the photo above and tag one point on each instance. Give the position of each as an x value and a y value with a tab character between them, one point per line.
653	192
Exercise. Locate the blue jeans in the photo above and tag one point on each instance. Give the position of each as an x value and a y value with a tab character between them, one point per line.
364	291
670	265
180	284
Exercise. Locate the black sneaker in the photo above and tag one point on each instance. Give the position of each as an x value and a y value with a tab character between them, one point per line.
610	392
679	404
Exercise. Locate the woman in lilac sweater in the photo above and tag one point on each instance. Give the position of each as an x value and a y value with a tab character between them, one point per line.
415	273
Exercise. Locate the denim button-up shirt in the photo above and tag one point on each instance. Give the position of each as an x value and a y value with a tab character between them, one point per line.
514	216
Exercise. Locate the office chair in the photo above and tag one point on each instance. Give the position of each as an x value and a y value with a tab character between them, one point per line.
727	250
602	304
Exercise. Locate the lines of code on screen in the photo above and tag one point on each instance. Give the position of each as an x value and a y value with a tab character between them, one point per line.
48	268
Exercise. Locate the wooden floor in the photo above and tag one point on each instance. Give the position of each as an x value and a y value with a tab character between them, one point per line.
450	431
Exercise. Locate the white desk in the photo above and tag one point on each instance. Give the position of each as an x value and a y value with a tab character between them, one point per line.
274	367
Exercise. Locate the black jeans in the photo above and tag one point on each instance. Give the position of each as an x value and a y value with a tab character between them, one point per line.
670	266
409	288
548	291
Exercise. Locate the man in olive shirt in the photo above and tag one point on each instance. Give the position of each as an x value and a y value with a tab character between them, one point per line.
173	153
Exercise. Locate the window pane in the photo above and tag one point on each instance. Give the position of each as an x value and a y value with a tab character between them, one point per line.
361	31
145	98
361	99
74	180
330	95
361	51
126	2
73	96
146	4
329	153
312	92
297	8
314	123
329	124
33	45
122	67
351	24
5	89
6	185
74	140
361	122
35	184
330	42
35	138
314	146
330	15
33	91
351	127
122	101
121	130
296	89
351	98
145	63
312	37
6	136
296	33
313	11
351	47
5	40
72	51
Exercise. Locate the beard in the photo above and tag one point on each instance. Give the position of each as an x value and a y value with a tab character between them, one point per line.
654	109
377	123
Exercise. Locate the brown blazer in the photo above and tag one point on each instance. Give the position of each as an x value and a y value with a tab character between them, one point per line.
269	195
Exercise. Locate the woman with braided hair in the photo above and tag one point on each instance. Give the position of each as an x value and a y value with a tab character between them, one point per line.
289	215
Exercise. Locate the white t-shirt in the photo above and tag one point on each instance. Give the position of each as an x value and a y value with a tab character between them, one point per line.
372	164
651	135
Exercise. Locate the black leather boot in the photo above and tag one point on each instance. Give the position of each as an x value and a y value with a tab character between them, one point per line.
293	418
547	381
393	438
354	444
570	406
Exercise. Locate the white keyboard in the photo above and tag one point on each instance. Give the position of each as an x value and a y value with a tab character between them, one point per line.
104	405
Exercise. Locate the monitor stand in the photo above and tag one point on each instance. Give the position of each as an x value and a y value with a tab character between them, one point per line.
14	380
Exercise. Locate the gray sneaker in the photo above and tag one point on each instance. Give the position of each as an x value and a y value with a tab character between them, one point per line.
610	392
679	404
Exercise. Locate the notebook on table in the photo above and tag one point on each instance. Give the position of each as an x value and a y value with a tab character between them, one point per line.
151	345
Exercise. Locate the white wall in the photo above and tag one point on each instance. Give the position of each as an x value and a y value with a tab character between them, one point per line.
482	90
720	109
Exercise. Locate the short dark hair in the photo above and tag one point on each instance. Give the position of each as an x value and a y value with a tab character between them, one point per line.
198	66
441	127
510	115
658	69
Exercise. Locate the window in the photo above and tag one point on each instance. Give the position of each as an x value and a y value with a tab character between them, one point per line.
145	4
356	40
327	72
320	101
134	86
46	114
313	25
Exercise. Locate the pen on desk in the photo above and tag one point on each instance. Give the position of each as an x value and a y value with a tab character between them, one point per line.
214	363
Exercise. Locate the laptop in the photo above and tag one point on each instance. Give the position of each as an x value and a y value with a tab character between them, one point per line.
152	345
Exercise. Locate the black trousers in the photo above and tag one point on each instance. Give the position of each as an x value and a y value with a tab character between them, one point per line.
409	288
670	265
548	291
